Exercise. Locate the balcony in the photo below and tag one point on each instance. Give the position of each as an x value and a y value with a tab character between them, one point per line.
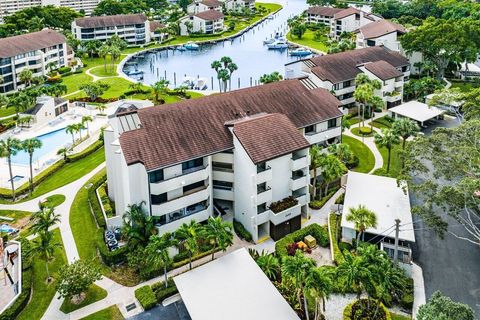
264	195
297	182
262	217
303	198
393	96
187	199
317	137
224	157
222	174
223	194
264	174
185	178
285	215
199	214
344	90
298	162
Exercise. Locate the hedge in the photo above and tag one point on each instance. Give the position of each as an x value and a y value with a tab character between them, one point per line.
7	194
110	258
161	293
14	310
347	312
146	297
338	258
318	204
107	206
241	231
94	204
317	231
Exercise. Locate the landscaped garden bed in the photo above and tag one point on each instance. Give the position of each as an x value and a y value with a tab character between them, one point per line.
362	131
283	204
315	230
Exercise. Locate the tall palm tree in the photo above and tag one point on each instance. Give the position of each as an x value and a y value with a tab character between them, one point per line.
316	158
405	128
219	233
26	76
86	120
71	128
29	146
8	148
297	268
232	67
362	218
115	53
103	52
79	127
157	251
387	139
217	65
319	283
188	236
354	273
365	93
332	169
269	265
44	219
45	246
138	227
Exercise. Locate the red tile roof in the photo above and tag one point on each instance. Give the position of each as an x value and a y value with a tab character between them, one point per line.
189	129
380	28
210	15
12	46
383	70
323	11
268	136
110	21
343	66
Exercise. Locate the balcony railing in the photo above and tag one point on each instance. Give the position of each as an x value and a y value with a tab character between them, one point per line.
180	214
262	168
261	189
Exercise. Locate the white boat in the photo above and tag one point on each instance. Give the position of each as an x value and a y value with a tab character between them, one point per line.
300	52
279	44
191	46
188	82
271	17
201	84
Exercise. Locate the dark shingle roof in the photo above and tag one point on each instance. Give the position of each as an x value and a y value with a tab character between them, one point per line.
174	133
323	11
268	136
212	3
154	25
210	15
379	28
12	46
343	66
110	21
346	12
383	70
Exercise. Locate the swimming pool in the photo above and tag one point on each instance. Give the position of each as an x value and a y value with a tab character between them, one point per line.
51	142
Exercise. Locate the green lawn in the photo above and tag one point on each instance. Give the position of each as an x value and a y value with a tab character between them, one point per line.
395	161
5	112
309	41
43	293
399	317
55	200
465	86
110	313
74	81
100	71
94	294
15	214
366	157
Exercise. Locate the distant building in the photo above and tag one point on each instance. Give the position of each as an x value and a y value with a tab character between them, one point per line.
336	72
222	152
207	22
238	5
34	51
205	5
8	7
47	109
380	33
133	28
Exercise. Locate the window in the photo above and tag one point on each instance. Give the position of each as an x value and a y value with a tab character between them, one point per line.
310	129
223	185
192	164
371	43
155	176
193	186
332	123
158	198
261	208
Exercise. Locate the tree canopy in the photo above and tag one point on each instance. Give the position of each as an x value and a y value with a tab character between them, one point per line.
440	307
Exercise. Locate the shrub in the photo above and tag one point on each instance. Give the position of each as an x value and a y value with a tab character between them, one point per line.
318	204
345	246
381	172
352	311
146	297
94	204
64	70
365	130
110	258
353	162
14	310
315	230
340	199
338	258
283	204
241	231
161	293
182	255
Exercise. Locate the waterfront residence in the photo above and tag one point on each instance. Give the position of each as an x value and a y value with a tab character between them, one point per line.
389	201
245	151
47	109
8	7
207	22
319	14
336	73
133	28
232	287
35	51
349	20
205	5
238	5
380	33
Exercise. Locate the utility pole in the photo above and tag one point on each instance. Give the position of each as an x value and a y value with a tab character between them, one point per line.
397	231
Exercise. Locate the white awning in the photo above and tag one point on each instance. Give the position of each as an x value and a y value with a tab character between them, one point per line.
417	111
383	196
232	287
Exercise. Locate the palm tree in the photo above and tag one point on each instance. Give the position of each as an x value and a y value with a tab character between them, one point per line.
45	248
115	53
71	128
21	102
405	128
272	77
51	65
319	283
269	265
63	152
342	151
138	227
103	52
160	87
188	236
29	146
232	67
365	93
332	169
158	255
80	126
86	120
297	268
136	87
387	139
316	157
26	76
217	65
219	233
44	219
9	148
354	273
101	108
362	219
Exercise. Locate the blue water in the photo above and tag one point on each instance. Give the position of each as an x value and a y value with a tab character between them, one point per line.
51	142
